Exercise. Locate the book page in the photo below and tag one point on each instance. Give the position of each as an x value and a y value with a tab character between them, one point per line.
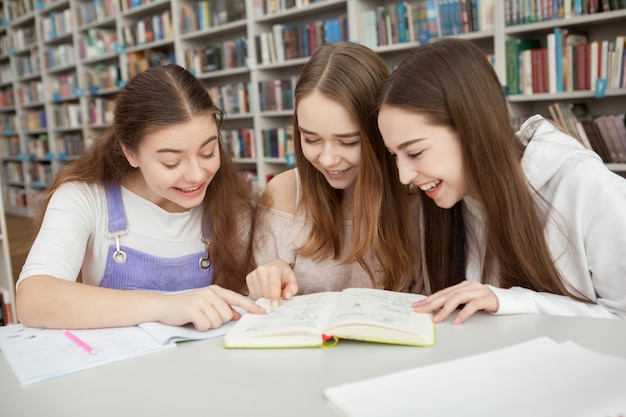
40	354
382	308
301	315
539	378
165	334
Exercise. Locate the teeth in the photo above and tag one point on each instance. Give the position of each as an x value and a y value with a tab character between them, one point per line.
336	172
430	186
189	189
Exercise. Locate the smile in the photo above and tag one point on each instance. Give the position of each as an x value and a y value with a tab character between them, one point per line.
336	172
430	186
188	190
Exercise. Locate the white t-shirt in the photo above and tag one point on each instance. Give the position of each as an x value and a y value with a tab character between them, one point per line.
72	236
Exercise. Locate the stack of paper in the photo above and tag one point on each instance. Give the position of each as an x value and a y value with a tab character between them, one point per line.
536	378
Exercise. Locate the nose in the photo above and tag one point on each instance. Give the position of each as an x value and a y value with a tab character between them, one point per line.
195	172
406	173
329	156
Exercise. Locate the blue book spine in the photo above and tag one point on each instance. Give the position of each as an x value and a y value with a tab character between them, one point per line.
558	40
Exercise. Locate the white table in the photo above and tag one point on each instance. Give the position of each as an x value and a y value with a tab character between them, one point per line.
203	379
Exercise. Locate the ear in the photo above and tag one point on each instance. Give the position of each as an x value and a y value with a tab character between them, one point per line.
130	156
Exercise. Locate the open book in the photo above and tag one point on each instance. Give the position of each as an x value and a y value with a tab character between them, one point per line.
322	318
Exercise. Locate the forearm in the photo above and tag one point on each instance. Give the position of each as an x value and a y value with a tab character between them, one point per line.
518	300
44	301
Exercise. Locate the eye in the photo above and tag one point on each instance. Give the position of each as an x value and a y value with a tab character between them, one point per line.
349	144
171	166
414	155
208	156
309	141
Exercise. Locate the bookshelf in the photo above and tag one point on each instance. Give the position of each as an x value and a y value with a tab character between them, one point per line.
62	63
7	312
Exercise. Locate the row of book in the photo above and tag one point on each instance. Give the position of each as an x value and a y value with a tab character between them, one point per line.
232	53
278	143
568	62
10	147
40	175
277	94
57	24
70	145
101	111
518	12
6	97
98	42
58	56
240	142
232	98
22	38
149	29
38	147
140	61
67	115
8	124
604	134
207	14
34	120
63	86
94	10
101	76
290	41
12	172
264	7
411	21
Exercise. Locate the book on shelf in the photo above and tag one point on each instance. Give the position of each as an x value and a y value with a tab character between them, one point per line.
321	319
585	118
616	149
513	50
39	354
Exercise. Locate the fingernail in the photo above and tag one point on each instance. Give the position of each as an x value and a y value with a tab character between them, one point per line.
288	294
275	303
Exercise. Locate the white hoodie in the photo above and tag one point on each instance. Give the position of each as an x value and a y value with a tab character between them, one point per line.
586	232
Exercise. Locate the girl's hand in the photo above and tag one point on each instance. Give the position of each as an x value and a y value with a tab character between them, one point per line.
207	308
474	295
272	280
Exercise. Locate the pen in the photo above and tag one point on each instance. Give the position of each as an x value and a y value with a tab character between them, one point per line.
79	342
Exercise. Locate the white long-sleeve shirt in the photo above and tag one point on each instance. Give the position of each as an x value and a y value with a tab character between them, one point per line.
586	232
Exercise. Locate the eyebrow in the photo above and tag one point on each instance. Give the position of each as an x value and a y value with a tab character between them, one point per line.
337	135
206	142
409	143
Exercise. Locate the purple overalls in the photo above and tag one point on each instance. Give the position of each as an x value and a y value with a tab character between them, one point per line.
130	269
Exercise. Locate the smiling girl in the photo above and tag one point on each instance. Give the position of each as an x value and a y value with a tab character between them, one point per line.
340	219
154	206
526	222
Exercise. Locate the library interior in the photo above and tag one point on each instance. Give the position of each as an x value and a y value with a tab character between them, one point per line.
63	62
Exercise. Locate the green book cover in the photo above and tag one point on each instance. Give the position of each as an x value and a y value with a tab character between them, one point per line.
514	46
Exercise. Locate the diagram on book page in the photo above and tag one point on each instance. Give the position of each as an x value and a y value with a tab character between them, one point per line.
310	312
383	308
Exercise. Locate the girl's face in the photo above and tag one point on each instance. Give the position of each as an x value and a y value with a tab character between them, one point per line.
178	163
427	155
331	140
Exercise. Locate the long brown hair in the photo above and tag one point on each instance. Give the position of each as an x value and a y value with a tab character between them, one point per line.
157	98
351	74
452	84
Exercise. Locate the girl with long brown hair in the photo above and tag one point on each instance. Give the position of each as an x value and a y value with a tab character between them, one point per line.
153	206
526	222
340	218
